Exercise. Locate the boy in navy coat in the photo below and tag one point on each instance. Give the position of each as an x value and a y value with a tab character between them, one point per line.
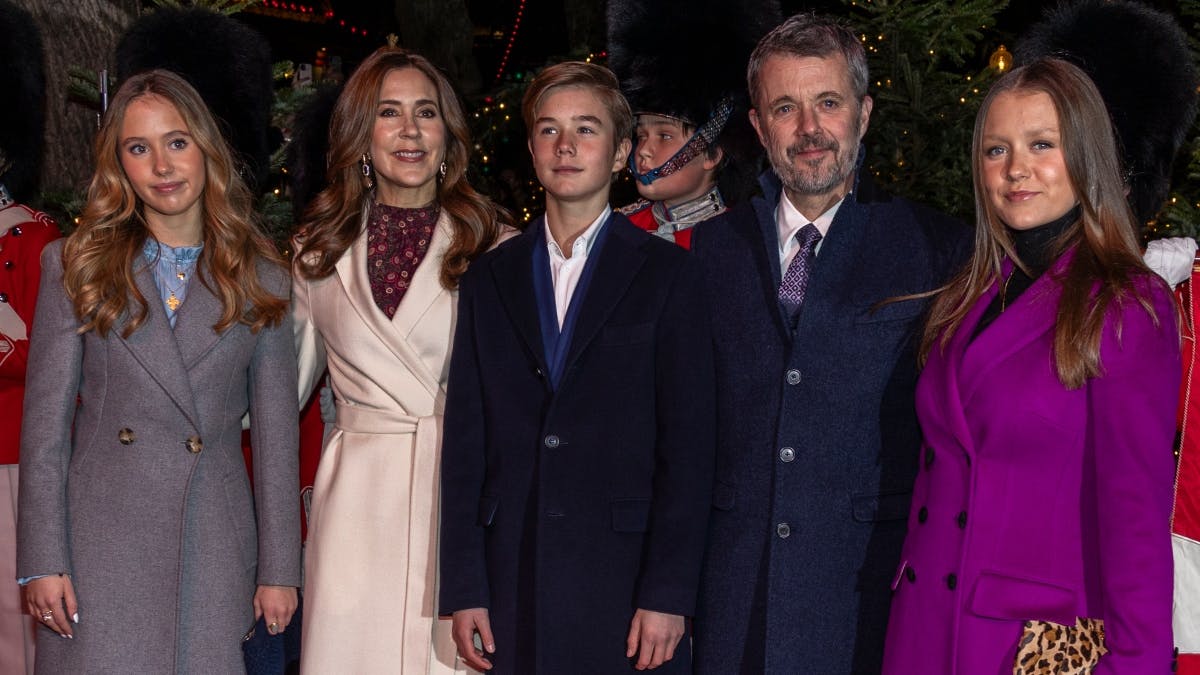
579	436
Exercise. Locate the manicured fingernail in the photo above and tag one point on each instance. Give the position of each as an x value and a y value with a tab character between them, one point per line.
75	617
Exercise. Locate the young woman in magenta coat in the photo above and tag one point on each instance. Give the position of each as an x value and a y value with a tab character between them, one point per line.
1047	404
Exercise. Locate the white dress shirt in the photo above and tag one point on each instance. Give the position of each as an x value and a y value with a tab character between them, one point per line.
789	220
565	271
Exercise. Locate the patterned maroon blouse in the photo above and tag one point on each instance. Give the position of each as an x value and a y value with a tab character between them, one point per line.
397	241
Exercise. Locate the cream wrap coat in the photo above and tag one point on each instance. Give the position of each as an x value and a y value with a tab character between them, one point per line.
371	558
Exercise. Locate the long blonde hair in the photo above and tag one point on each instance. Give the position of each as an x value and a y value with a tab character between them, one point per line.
332	220
1107	256
99	256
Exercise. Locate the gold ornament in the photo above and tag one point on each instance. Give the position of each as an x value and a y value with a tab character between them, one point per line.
1001	59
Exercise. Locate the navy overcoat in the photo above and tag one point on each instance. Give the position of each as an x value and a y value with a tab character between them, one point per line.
817	440
564	509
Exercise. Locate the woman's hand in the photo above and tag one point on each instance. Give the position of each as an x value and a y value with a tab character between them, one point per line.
277	604
51	600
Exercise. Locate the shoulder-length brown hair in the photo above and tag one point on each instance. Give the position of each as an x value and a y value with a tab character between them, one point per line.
99	256
1107	256
332	221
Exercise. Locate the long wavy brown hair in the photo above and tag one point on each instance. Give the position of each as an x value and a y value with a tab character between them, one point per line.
1107	257
333	219
99	258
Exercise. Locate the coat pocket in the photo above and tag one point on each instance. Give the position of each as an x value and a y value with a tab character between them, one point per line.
630	515
872	508
1000	596
487	511
626	334
904	310
723	496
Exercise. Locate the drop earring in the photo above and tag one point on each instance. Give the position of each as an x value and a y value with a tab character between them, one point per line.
364	164
442	170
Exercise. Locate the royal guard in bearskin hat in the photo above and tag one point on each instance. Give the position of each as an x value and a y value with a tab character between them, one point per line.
24	232
1149	86
682	65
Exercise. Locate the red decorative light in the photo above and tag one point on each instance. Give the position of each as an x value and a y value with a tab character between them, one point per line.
512	37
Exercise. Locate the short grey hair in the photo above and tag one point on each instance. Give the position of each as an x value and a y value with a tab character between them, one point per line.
807	34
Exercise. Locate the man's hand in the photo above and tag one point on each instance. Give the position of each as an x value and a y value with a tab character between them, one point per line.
466	623
653	636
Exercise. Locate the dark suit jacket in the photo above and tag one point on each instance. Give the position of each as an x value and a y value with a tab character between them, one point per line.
817	437
565	509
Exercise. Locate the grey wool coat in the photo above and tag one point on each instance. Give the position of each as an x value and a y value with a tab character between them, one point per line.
139	490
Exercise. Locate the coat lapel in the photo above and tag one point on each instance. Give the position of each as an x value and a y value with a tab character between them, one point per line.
512	272
154	346
1028	318
352	272
620	260
194	323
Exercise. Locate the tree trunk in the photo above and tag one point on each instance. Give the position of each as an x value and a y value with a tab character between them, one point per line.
441	31
80	33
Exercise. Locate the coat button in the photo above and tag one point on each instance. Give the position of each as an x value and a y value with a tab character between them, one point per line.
125	436
962	520
910	575
922	515
8	264
787	454
783	530
928	456
193	444
951	581
551	441
3	297
16	232
793	376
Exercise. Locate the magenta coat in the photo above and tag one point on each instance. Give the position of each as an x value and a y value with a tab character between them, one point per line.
1037	502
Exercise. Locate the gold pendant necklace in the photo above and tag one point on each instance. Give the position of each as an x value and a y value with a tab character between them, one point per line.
1004	290
173	300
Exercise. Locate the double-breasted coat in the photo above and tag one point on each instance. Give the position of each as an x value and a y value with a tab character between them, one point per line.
133	479
816	431
1036	502
371	557
566	508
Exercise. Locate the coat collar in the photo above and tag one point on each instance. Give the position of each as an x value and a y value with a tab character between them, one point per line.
619	262
156	347
965	364
426	289
838	250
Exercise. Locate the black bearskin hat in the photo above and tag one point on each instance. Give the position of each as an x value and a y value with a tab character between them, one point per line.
307	154
680	58
23	113
1140	61
227	62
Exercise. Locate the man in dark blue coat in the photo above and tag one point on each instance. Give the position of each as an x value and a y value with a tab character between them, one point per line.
579	436
817	442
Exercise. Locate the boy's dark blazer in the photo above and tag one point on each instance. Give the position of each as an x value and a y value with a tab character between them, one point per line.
564	510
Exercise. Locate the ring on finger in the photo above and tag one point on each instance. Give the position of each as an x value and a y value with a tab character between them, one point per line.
273	627
47	615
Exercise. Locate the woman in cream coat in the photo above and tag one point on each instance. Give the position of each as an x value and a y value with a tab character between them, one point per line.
378	260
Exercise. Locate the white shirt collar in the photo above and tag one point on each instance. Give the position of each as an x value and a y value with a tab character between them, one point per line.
789	220
583	243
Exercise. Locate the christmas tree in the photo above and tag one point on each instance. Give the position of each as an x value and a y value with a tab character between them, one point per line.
930	67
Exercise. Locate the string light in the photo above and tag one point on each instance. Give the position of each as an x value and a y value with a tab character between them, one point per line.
512	38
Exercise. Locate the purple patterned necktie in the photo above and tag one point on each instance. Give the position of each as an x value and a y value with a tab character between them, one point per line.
795	281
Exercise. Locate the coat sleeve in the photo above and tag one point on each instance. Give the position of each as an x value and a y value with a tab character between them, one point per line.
1132	428
310	347
51	389
274	436
464	581
23	297
685	450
